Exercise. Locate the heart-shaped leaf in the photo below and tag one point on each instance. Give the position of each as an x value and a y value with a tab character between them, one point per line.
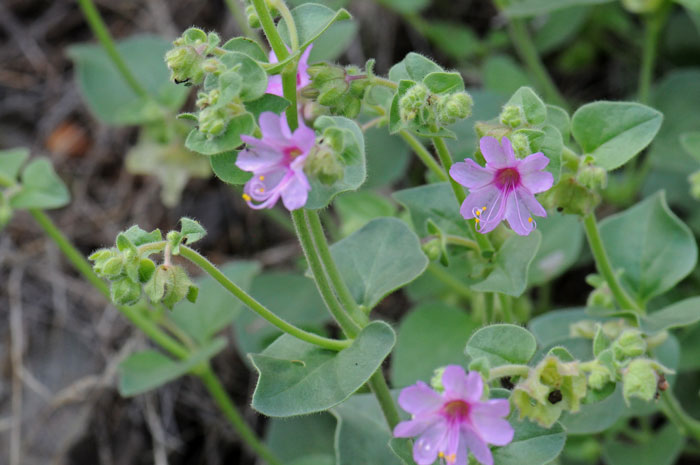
502	344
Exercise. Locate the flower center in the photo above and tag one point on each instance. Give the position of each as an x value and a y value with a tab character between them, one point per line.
507	178
292	152
456	410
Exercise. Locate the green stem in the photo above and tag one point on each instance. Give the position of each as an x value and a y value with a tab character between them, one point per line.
450	281
134	313
653	25
289	89
291	25
102	33
423	154
344	295
268	25
674	411
349	327
446	160
506	307
224	402
508	370
604	267
462	242
380	81
528	53
235	7
256	306
381	391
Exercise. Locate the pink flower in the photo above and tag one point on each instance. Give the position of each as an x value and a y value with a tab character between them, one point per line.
277	162
504	188
451	424
274	83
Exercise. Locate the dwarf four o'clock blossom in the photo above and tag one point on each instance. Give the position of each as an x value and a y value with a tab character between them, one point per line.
274	83
277	162
504	188
451	424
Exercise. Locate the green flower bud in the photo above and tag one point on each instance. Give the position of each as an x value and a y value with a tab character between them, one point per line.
212	121
124	291
598	374
601	297
432	249
642	6
629	344
592	176
511	115
331	91
348	106
481	365
521	144
413	102
213	65
112	267
640	380
453	107
192	36
694	180
185	65
436	380
584	328
324	164
570	197
485	128
252	15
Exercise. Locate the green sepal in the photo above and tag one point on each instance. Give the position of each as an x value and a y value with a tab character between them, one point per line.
146	270
124	291
155	287
124	243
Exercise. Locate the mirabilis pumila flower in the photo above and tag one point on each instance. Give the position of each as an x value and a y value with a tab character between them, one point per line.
504	188
277	162
274	83
453	423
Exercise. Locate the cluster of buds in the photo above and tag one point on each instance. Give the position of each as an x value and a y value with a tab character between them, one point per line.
340	89
601	295
132	272
326	162
419	105
189	57
216	109
511	116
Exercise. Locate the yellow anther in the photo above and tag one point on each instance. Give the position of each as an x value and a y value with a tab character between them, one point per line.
441	454
529	220
261	190
451	458
483	209
478	212
246	197
476	220
262	178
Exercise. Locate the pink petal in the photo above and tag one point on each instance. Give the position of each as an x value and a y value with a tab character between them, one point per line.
518	216
477	446
535	162
274	127
492	407
461	385
537	181
295	194
452	439
258	159
508	149
462	452
493	430
470	174
426	448
304	137
274	85
415	427
303	78
490	197
419	398
493	153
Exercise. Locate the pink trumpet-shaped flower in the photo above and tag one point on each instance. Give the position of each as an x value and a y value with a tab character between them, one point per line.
451	424
277	162
504	188
274	83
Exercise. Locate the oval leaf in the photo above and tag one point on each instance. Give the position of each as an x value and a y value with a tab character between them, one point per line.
226	142
502	344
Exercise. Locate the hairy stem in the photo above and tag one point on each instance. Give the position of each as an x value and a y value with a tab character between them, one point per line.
528	54
653	25
236	9
268	25
291	25
224	402
381	391
102	33
423	154
256	306
508	370
604	267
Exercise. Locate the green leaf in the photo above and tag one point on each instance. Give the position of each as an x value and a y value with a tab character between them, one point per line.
378	259
355	169
297	378
138	236
683	313
362	435
417	67
502	344
442	82
388	158
191	230
596	417
511	265
614	132
663	448
312	20
253	76
224	167
651	245
434	202
110	98
356	209
333	43
246	46
406	6
533	107
525	8
502	74
11	162
560	119
531	444
430	336
41	187
149	369
455	39
216	308
226	142
562	241
302	440
561	28
290	296
691	143
553	327
268	102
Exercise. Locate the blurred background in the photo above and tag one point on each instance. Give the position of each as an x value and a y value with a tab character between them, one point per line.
60	341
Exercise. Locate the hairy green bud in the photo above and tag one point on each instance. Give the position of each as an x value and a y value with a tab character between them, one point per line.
252	16
629	344
599	374
124	291
570	197
185	65
453	107
511	115
436	380
325	165
521	144
413	103
592	176
694	180
639	379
